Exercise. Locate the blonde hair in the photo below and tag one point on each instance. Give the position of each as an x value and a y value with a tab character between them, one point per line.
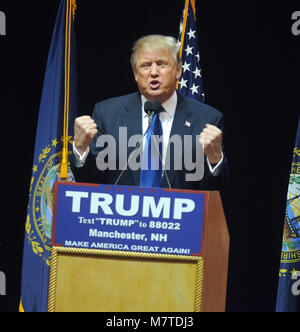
156	43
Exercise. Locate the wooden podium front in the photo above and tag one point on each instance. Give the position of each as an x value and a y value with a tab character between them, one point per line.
93	280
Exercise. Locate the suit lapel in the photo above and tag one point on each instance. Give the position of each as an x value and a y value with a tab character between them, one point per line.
132	120
182	125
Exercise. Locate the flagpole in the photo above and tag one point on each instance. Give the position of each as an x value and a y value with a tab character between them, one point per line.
186	10
71	8
193	3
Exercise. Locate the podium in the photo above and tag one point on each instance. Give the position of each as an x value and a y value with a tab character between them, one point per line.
130	249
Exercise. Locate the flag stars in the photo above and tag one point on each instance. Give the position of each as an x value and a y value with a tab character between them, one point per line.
181	27
191	34
189	50
184	13
197	73
35	169
190	84
186	67
194	89
294	272
183	83
54	142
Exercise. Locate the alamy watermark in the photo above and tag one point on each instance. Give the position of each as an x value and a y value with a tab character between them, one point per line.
296	284
187	154
2	284
296	24
2	24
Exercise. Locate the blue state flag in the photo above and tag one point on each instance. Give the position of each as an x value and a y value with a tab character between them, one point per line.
190	83
53	144
288	297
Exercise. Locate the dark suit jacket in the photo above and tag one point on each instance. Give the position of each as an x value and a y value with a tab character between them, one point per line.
126	111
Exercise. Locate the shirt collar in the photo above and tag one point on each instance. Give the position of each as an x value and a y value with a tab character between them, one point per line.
169	105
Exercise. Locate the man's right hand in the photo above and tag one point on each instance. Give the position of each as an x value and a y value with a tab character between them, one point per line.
85	129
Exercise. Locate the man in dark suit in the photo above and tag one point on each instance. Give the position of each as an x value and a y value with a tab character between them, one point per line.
157	69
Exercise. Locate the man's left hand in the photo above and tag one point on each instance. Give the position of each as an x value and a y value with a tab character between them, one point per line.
211	141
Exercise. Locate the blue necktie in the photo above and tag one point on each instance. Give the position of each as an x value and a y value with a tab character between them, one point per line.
151	172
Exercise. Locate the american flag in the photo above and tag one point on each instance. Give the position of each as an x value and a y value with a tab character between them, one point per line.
190	83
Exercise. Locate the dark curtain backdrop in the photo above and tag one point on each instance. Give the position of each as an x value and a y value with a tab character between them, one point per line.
250	64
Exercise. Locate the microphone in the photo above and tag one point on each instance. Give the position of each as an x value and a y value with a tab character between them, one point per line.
152	108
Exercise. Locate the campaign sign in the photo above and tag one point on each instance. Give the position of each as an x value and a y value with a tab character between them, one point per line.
151	220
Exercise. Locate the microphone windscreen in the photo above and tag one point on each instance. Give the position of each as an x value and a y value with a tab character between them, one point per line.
152	107
148	108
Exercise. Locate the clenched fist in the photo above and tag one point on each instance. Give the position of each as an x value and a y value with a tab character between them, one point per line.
85	129
211	141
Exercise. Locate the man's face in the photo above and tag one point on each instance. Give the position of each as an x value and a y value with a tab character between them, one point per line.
156	74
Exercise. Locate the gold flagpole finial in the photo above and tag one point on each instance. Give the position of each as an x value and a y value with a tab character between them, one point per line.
74	7
193	3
